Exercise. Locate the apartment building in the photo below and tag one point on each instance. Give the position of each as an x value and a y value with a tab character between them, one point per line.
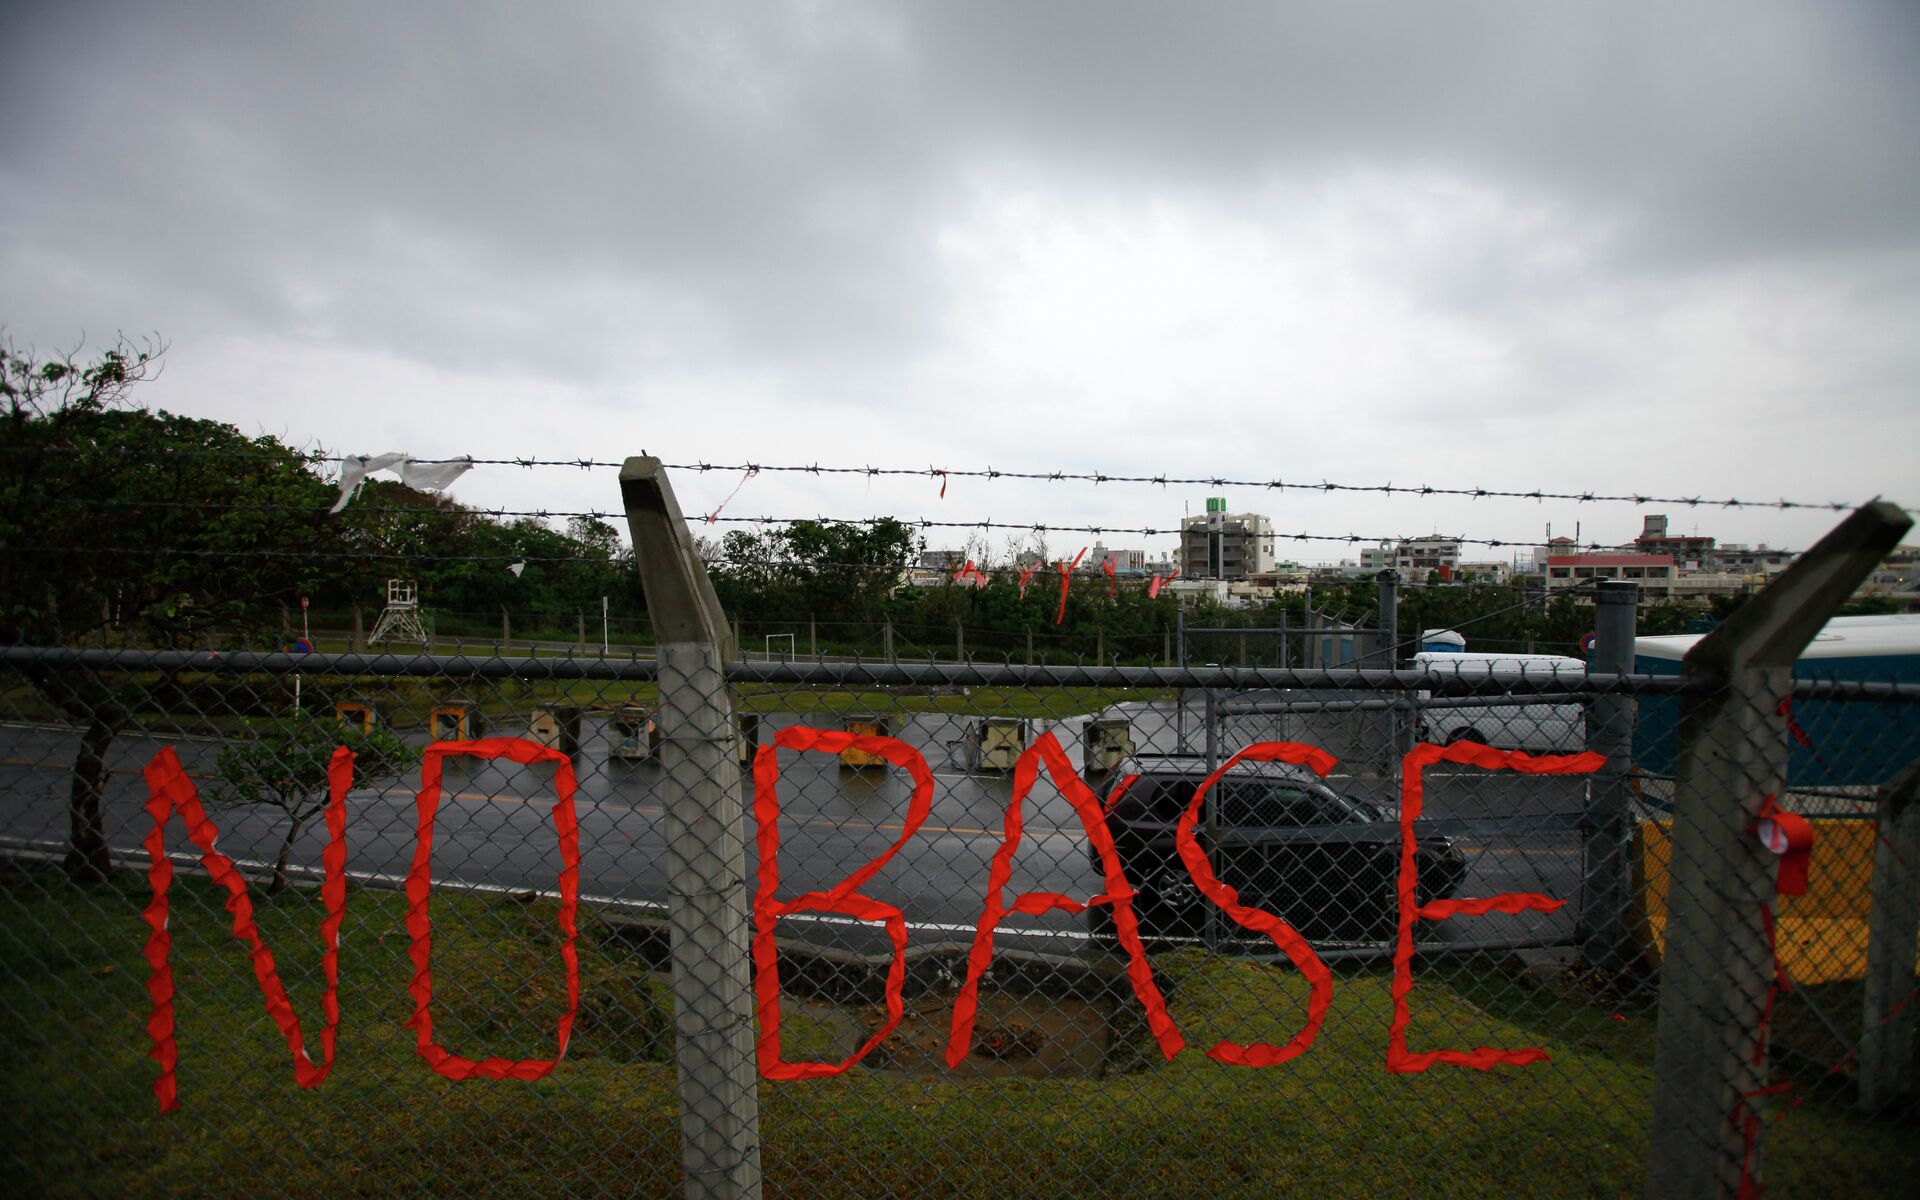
1224	545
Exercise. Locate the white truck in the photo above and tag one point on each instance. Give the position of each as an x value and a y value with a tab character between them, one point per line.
1522	720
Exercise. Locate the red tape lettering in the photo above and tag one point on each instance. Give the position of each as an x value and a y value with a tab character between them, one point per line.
1119	893
844	897
1295	947
170	791
420	925
1412	796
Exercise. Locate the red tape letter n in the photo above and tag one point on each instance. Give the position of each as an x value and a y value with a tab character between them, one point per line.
170	791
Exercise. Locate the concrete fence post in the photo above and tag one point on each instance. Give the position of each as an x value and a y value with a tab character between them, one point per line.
1887	1011
506	632
1606	835
1717	969
706	848
959	642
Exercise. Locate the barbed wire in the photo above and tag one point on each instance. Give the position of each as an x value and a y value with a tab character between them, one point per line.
923	523
945	474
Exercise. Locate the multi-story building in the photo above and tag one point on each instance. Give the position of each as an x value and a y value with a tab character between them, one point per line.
1689	551
1484	572
1736	559
1653	572
1420	557
1125	562
1224	545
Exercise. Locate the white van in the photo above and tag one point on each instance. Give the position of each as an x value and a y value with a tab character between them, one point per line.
1558	726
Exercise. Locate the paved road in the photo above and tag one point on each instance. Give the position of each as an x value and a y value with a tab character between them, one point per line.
494	825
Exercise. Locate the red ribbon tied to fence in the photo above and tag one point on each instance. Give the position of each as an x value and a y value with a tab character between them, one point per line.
1026	576
170	791
1066	580
1113	581
1790	836
566	826
1153	589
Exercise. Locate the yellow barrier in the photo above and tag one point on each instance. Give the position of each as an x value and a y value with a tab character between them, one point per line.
1821	936
865	723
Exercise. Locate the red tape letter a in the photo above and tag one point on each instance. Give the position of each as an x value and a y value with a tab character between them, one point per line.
420	925
1119	893
843	897
1285	936
170	791
1411	798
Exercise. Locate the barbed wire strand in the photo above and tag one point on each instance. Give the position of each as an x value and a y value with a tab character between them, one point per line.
944	474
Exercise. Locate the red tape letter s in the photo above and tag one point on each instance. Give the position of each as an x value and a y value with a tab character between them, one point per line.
1297	948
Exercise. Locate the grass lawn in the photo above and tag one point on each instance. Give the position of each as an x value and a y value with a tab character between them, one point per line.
79	1119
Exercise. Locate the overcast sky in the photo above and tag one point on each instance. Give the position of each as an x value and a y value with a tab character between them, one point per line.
1668	248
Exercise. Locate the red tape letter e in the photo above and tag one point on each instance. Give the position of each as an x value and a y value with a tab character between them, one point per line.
1411	797
420	926
843	897
1119	893
170	791
1297	948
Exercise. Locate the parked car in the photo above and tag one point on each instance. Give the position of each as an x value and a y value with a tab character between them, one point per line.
1287	843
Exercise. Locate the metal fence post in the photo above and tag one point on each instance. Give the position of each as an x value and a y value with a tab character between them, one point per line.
706	849
1717	968
1388	641
1605	835
1887	1016
1389	632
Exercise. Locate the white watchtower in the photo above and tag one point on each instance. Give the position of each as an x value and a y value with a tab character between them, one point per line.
400	620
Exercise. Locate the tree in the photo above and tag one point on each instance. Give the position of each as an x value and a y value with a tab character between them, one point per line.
283	763
165	531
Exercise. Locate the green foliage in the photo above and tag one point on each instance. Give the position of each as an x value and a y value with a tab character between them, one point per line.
283	762
834	571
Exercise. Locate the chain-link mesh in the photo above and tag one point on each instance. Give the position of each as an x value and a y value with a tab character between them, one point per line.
1129	931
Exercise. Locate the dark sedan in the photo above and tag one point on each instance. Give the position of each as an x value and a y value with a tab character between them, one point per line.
1287	842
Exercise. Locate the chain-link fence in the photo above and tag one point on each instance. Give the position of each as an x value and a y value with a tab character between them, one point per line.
593	926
